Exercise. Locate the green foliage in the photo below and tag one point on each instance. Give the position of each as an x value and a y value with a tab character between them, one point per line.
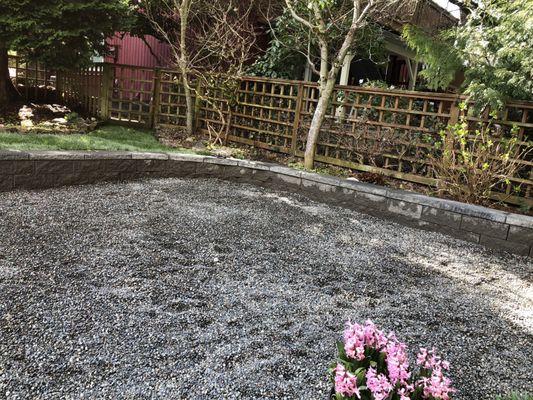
377	84
494	47
470	163
60	32
292	42
71	117
441	59
516	396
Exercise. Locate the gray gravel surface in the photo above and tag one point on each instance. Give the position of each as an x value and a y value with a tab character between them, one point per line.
202	289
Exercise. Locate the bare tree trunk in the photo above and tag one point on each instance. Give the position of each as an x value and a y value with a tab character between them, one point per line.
4	75
190	103
318	119
184	63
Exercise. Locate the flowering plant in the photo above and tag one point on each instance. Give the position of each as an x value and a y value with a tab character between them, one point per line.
375	366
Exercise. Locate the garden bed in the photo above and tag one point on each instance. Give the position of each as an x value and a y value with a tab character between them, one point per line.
205	289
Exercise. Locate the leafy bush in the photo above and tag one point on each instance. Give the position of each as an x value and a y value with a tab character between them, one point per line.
470	163
516	396
375	366
71	117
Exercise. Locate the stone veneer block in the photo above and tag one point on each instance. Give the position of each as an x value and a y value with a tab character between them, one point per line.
6	183
520	235
404	208
500	244
441	217
50	166
19	167
485	227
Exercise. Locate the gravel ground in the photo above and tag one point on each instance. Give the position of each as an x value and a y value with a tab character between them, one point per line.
201	289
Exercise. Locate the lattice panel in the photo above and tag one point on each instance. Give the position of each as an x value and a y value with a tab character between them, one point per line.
171	108
130	97
262	112
32	78
82	89
389	130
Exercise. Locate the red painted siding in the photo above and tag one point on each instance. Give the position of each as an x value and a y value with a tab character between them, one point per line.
132	50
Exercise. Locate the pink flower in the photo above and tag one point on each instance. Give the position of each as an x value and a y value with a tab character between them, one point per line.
397	361
429	360
345	382
378	384
357	337
405	392
436	387
396	380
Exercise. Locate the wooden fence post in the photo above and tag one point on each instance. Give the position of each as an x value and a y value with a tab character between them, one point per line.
454	114
297	117
449	142
156	98
107	86
59	86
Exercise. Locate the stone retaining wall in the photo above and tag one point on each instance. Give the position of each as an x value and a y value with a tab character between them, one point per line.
492	228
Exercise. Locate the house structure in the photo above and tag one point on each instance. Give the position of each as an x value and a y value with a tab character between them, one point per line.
401	70
402	67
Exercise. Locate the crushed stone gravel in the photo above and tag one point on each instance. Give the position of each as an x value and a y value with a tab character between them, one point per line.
203	289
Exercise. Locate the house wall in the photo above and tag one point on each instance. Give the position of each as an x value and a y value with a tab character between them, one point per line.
132	50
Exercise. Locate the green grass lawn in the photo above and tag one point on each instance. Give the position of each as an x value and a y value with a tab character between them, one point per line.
108	138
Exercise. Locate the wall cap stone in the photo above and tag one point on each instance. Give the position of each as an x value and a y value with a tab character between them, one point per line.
259	165
56	155
525	221
14	155
221	161
186	157
150	156
115	155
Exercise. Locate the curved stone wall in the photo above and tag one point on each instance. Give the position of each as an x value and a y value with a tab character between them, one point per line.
492	228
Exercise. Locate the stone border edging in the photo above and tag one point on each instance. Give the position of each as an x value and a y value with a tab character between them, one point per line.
492	228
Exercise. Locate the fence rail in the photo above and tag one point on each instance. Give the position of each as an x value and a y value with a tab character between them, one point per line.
391	132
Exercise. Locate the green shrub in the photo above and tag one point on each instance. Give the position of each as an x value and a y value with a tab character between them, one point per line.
516	396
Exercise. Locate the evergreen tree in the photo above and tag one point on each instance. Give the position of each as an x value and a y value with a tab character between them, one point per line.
62	33
494	47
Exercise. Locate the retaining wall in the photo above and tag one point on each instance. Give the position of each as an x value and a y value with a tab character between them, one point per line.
492	228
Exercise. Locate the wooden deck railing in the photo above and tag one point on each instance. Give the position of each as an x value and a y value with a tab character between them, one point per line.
386	131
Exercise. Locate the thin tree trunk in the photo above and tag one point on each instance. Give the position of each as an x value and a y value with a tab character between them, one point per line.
190	104
318	119
184	64
4	76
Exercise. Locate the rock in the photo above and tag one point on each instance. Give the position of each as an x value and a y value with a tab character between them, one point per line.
26	123
25	113
199	146
223	152
61	121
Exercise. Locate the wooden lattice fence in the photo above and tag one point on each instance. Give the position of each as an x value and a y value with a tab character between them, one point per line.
391	132
80	89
